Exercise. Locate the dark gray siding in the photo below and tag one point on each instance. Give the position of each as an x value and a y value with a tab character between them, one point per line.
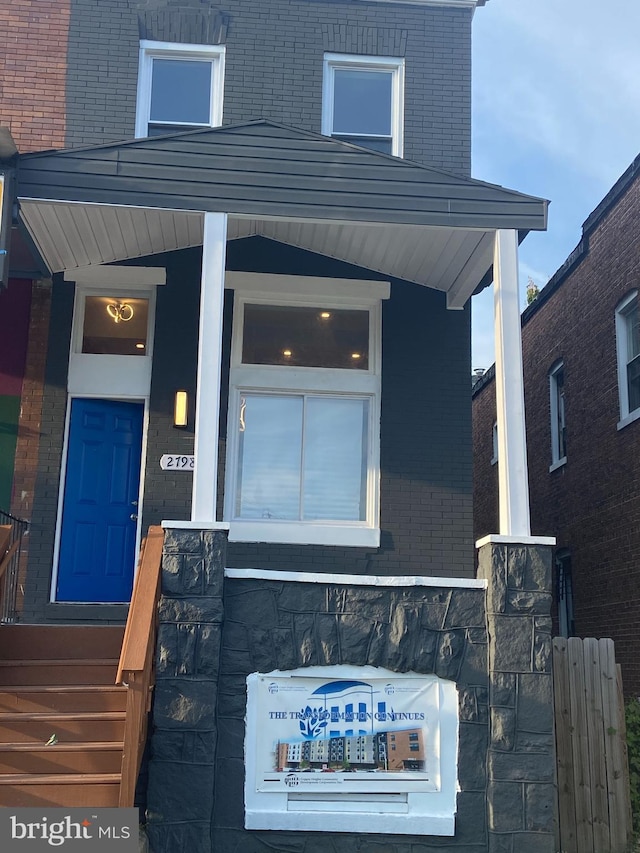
274	63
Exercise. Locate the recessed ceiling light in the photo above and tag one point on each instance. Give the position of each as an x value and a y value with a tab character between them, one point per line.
139	346
325	315
286	352
355	355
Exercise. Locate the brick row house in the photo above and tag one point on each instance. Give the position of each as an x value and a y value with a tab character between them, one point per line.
581	351
259	240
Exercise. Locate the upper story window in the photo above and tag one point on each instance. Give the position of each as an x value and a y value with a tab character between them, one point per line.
363	101
304	409
557	408
628	346
180	87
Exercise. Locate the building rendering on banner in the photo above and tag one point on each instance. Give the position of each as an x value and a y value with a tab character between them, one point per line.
242	266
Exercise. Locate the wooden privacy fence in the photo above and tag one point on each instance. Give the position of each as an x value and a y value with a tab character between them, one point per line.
594	811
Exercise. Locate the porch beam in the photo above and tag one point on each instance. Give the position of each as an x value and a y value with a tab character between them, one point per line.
205	474
513	480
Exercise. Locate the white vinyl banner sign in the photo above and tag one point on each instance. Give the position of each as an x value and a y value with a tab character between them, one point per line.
347	734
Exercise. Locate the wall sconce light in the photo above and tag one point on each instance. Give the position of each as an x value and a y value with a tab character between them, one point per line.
180	409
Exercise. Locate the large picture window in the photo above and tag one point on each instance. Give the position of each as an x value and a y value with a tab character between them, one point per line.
303	440
628	346
363	101
180	87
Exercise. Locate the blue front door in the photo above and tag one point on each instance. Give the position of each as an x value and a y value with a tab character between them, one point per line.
98	536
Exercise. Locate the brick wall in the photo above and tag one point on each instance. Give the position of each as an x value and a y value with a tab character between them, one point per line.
485	472
51	434
426	512
435	41
592	503
33	72
31	401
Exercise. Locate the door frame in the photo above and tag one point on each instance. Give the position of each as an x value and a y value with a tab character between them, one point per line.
85	374
63	477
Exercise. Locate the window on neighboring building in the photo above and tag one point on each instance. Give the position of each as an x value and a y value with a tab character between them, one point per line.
564	587
494	443
303	413
557	408
628	345
363	101
180	87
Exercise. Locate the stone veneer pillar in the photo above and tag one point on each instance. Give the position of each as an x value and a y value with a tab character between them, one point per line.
184	740
521	792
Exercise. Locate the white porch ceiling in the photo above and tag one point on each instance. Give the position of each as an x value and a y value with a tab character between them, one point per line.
72	235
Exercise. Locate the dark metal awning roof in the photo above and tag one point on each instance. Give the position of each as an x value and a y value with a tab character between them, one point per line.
130	199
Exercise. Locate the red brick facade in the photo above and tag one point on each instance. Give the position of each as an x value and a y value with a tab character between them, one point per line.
591	503
33	69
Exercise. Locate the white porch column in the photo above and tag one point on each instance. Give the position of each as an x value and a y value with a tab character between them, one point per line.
205	475
513	479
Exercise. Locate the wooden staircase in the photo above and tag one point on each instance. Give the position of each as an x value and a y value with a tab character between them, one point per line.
58	683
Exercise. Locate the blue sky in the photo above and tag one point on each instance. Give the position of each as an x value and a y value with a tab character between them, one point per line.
556	114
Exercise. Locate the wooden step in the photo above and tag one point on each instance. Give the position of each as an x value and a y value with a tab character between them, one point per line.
38	728
87	789
59	642
47	672
96	757
80	698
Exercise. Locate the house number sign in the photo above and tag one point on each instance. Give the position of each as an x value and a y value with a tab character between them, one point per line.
175	462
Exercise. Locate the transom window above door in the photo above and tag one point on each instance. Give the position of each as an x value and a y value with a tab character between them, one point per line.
115	325
363	101
180	87
304	411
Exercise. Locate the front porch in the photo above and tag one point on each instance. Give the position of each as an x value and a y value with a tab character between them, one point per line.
316	223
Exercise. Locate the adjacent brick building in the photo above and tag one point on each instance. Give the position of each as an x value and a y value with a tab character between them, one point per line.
581	347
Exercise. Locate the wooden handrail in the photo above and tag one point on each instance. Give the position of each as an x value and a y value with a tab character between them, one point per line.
6	552
135	669
5	538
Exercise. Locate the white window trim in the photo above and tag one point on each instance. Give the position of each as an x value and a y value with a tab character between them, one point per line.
305	291
626	417
557	461
117	376
150	50
420	813
333	61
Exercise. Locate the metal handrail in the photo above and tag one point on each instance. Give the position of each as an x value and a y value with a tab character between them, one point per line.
10	565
